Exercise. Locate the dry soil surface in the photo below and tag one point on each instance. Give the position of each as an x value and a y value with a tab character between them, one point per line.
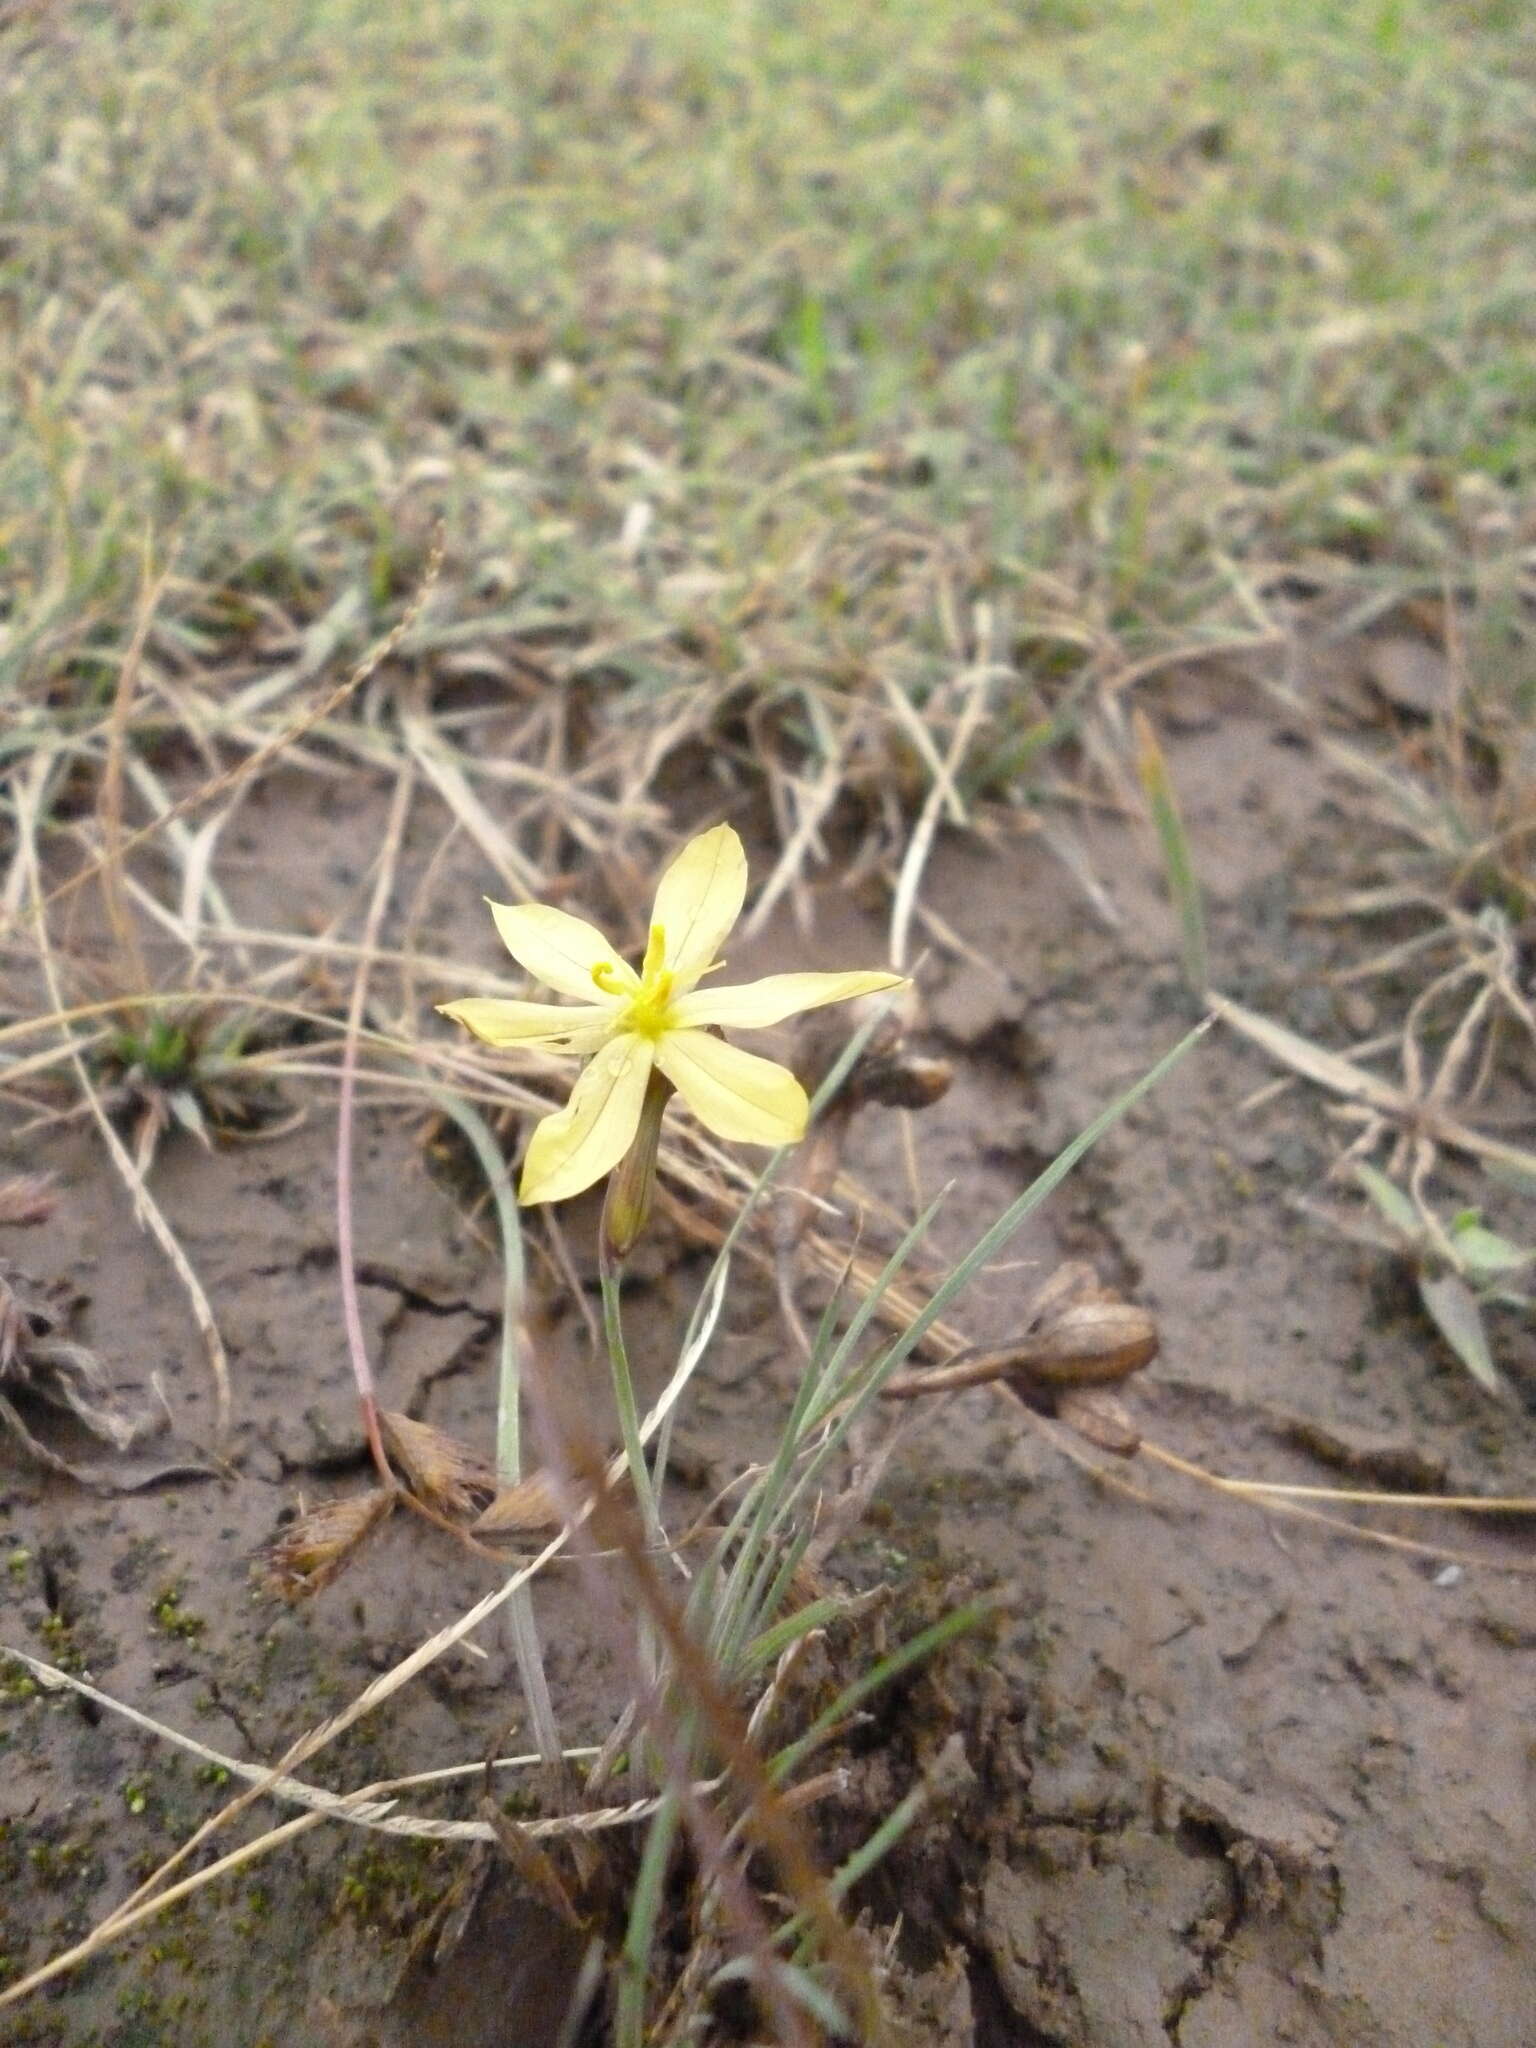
1216	1778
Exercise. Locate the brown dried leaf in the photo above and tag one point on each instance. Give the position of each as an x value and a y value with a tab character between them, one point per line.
441	1471
310	1553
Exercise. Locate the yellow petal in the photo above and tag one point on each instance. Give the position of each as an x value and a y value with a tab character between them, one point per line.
500	1021
700	898
777	996
558	949
580	1143
733	1093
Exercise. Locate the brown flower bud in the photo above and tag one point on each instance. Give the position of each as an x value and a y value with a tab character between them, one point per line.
1089	1343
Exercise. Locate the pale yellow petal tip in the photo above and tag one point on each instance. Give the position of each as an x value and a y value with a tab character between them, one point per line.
723	835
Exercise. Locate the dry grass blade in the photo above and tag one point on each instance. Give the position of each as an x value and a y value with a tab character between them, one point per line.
150	1899
351	1807
241	771
110	808
1278	1503
1342	1077
943	795
815	807
1178	862
452	785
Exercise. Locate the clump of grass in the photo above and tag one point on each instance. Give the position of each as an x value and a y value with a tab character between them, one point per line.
187	1068
1460	1267
1106	319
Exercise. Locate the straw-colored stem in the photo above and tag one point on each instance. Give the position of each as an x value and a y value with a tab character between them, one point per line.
351	1311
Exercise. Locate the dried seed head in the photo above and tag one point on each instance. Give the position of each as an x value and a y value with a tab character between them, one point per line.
439	1470
1090	1343
823	1037
531	1505
309	1554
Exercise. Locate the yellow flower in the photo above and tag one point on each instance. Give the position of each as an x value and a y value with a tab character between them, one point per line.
630	1023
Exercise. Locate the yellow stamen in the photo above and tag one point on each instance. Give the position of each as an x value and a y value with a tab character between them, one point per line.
606	975
650	1012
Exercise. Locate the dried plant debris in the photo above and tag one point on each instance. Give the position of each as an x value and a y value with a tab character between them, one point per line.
320	1543
887	1070
439	1470
39	1363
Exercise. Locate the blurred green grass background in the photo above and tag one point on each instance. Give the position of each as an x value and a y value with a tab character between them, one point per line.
747	342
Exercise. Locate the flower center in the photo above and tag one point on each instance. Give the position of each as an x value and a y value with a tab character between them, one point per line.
649	1009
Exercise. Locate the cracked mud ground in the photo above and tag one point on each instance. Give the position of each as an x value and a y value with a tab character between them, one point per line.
1216	1778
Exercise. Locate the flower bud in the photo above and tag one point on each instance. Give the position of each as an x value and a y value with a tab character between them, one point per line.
632	1183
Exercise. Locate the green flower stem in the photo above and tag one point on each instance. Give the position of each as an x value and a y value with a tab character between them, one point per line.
521	1622
610	1273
